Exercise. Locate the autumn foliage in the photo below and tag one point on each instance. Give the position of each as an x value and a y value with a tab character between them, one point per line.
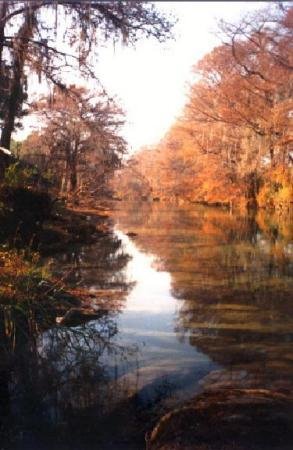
79	144
233	143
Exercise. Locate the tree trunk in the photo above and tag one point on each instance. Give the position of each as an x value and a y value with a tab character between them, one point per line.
73	168
19	57
9	120
73	178
253	188
3	10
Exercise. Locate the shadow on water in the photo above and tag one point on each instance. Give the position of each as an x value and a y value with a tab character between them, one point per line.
59	384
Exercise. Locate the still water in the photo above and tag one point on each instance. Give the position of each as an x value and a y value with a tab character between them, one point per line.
149	320
195	298
212	302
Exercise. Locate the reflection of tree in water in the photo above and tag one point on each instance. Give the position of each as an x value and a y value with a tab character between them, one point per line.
59	378
82	364
99	265
238	307
233	275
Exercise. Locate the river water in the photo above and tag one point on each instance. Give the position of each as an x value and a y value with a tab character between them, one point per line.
212	302
200	298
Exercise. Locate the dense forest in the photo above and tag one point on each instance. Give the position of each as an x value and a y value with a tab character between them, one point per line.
233	142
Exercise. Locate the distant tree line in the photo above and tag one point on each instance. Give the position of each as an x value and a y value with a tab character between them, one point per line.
233	142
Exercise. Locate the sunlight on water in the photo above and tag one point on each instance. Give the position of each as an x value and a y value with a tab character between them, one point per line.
149	319
152	291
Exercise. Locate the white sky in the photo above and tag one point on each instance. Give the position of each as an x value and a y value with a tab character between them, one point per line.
151	80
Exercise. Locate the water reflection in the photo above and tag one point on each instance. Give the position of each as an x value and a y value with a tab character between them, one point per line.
58	383
152	290
232	278
195	298
97	266
148	319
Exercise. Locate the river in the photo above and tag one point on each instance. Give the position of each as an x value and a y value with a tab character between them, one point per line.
203	300
213	296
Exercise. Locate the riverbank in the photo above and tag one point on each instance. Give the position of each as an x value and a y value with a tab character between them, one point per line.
43	301
238	419
70	226
26	282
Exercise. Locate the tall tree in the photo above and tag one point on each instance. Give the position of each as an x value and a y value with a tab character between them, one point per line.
233	143
80	138
47	37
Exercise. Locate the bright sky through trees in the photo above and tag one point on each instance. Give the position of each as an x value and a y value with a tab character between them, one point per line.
150	81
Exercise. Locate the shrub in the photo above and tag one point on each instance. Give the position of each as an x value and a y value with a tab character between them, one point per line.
20	273
277	190
27	294
17	175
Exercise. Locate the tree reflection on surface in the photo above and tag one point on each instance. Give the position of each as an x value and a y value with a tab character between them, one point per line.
57	381
233	277
205	303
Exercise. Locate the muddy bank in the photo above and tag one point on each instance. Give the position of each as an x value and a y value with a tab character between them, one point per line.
72	227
